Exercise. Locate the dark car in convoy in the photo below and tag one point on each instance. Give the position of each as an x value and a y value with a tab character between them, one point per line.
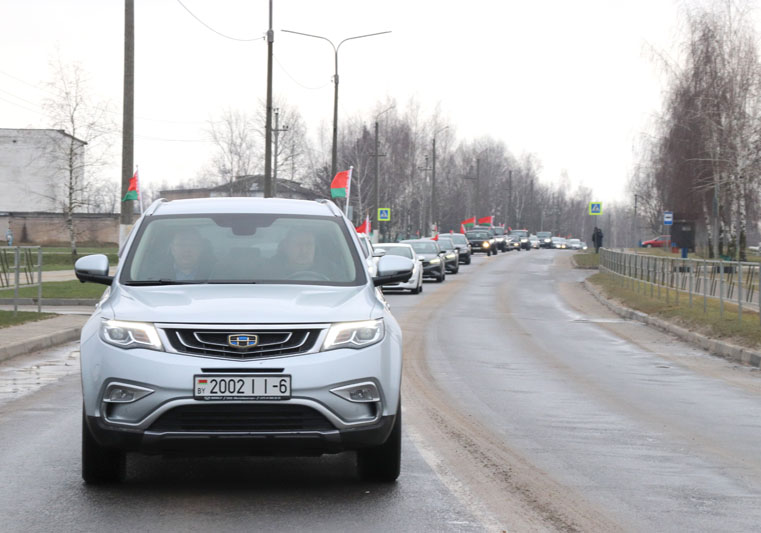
492	237
480	242
513	243
522	234
463	245
431	256
500	235
545	239
451	254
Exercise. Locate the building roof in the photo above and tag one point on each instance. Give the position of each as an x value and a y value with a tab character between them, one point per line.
40	130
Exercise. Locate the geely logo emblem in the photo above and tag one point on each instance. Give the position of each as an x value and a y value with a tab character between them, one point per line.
242	341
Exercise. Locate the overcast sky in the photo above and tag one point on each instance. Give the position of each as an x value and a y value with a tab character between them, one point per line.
573	82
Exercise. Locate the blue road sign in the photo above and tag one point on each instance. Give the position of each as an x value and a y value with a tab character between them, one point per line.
595	208
384	214
668	218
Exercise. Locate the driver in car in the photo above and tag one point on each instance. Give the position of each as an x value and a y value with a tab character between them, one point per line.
296	253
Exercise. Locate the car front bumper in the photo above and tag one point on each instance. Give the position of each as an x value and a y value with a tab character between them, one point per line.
312	420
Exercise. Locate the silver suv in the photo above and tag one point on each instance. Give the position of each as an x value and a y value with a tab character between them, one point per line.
241	326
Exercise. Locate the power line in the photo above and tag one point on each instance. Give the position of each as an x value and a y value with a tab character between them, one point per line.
215	31
297	82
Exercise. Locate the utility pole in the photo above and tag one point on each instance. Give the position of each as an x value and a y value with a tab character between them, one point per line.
510	197
268	126
277	131
377	155
426	220
717	231
128	118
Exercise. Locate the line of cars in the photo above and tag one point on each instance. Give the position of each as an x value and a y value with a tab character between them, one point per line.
433	259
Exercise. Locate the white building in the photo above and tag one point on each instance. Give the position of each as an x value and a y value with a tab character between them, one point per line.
33	168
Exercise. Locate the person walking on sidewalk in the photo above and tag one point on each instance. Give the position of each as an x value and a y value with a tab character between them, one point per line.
597	239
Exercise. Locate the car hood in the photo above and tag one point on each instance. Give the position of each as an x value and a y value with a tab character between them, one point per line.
426	257
231	304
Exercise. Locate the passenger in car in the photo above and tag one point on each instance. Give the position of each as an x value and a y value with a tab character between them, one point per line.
187	249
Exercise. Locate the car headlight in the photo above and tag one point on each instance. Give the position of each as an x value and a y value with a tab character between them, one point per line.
354	334
486	244
130	334
450	256
434	261
524	240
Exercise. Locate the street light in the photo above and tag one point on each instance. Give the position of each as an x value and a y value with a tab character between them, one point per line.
335	81
433	179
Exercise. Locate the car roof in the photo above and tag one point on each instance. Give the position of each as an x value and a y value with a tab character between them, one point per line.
243	205
390	244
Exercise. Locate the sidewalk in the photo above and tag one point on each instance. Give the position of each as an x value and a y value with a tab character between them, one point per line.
33	336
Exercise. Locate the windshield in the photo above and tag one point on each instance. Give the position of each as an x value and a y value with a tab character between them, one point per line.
519	232
544	234
396	250
242	248
499	231
477	235
445	243
459	238
425	247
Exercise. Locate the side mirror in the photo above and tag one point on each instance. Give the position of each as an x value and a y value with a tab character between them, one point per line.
379	253
93	268
393	269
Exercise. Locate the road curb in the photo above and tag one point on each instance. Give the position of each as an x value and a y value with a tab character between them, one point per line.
49	301
576	265
723	349
39	343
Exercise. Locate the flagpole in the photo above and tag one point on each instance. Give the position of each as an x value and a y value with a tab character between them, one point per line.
139	188
348	193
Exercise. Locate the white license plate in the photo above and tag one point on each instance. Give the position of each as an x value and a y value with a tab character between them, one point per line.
242	387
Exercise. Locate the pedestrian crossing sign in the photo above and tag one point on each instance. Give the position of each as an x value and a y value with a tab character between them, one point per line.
595	208
384	214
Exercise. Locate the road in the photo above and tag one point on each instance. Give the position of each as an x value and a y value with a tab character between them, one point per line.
528	407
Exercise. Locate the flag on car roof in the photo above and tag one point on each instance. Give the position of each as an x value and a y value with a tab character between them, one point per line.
486	220
133	192
365	226
462	228
435	237
468	223
340	183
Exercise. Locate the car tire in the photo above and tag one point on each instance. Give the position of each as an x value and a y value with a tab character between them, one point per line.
457	269
383	463
648	246
467	260
100	465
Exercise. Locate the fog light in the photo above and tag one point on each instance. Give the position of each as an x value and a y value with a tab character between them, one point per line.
358	392
124	393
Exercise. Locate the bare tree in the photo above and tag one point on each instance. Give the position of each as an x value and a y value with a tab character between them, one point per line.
86	124
237	150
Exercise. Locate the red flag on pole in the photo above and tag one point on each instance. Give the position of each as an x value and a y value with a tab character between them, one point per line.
365	226
339	184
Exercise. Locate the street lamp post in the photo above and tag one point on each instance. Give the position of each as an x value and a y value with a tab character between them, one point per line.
334	157
433	180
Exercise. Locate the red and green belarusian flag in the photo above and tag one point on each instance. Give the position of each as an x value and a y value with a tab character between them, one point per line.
133	193
339	187
365	226
467	224
486	221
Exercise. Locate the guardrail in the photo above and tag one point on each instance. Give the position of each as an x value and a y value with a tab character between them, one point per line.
18	261
726	281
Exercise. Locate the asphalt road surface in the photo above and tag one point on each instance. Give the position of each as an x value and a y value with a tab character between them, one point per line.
528	407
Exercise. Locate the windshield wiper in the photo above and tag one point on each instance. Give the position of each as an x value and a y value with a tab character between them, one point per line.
162	282
231	282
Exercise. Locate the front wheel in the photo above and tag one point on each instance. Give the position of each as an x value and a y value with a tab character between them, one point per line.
467	260
100	464
383	463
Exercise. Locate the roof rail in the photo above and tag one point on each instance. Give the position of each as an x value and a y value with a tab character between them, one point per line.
154	206
331	205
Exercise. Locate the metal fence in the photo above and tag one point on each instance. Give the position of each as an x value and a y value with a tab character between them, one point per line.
726	281
18	266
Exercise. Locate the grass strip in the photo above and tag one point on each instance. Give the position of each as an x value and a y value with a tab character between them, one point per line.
588	260
710	323
59	289
7	319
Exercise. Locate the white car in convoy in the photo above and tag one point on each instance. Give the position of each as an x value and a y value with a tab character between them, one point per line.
415	283
241	326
